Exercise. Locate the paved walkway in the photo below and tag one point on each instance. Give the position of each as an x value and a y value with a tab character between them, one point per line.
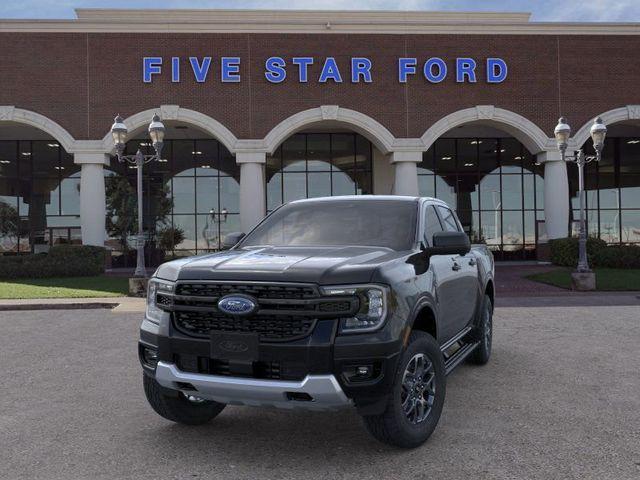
511	281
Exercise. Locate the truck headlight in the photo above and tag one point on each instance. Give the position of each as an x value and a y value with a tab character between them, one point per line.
156	287
373	307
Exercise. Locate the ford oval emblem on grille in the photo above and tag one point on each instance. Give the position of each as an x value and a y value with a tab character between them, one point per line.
237	305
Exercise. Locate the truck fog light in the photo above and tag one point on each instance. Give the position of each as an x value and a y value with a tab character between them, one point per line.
361	373
150	357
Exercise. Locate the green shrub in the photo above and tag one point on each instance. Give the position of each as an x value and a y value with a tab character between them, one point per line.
564	251
618	256
61	261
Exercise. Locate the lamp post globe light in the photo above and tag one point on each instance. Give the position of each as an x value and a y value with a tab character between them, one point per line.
583	278
156	133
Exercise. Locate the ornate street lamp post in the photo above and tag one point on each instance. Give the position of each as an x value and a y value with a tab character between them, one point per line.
119	133
211	230
562	133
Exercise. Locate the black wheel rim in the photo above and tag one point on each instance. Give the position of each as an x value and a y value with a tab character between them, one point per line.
418	389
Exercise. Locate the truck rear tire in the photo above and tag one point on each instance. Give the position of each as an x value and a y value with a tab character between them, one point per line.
179	408
417	398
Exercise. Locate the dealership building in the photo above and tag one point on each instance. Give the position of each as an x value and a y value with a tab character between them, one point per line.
264	107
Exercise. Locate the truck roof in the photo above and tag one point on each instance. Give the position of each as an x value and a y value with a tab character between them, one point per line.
364	198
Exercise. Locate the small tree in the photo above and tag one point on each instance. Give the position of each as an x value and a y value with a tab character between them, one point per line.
122	209
169	237
9	221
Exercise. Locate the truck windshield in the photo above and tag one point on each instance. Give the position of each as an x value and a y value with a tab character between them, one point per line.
379	223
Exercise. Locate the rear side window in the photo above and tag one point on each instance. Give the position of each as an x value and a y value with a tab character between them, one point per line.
431	224
449	221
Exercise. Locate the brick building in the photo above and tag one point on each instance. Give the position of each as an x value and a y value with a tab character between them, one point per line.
262	107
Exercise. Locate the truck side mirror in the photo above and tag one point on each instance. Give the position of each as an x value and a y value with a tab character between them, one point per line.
450	243
231	239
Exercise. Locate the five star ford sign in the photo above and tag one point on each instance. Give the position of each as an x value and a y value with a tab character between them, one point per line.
361	69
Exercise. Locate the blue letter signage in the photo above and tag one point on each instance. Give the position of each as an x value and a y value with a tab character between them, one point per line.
328	70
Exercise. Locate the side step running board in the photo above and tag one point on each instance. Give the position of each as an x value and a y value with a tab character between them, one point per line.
454	360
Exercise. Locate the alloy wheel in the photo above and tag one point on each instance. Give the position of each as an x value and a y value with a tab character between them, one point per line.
418	389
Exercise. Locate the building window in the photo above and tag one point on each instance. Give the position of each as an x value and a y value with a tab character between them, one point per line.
612	191
311	165
39	196
495	187
195	189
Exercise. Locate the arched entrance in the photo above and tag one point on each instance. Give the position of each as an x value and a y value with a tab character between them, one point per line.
39	184
325	151
494	182
612	186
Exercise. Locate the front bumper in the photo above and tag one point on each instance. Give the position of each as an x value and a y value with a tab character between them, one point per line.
311	367
314	392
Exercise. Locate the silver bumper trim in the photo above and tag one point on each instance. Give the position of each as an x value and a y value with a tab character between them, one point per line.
324	390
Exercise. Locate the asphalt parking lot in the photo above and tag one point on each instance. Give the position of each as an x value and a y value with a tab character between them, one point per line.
560	399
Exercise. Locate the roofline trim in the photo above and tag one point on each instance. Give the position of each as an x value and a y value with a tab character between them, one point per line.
311	21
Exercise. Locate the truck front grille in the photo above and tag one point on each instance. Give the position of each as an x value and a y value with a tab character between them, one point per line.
285	311
269	327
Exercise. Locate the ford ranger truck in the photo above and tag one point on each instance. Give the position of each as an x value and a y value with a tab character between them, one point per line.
366	302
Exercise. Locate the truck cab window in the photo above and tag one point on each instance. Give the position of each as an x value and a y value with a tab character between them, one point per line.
431	224
449	221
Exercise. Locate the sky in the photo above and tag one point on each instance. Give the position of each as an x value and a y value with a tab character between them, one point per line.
542	10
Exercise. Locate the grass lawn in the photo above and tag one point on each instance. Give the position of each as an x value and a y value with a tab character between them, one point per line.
72	287
607	279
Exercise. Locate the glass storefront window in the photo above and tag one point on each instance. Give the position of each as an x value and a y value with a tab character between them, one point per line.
612	188
309	165
495	187
39	196
199	180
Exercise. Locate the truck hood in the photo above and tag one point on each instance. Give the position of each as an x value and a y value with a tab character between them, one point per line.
321	265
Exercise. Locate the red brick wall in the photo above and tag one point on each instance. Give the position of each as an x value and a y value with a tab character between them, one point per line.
82	80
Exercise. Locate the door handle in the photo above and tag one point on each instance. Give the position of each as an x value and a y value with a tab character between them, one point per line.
456	266
472	262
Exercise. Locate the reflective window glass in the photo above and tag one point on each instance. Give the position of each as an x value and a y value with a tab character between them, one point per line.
431	224
448	219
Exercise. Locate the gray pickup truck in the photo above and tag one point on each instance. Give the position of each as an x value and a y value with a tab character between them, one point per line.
359	301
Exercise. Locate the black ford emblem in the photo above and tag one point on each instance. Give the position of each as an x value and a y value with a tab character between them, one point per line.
237	305
233	346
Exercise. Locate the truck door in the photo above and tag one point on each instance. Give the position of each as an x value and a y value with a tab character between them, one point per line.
465	283
445	279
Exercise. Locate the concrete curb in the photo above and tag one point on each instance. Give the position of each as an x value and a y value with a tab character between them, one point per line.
57	306
115	304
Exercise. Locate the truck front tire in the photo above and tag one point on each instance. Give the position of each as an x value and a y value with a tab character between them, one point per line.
178	408
417	399
485	333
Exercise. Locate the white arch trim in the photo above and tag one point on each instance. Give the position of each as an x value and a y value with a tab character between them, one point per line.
10	113
177	113
531	136
629	112
382	138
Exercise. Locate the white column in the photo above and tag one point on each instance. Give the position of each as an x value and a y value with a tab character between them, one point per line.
556	194
92	197
406	172
252	188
